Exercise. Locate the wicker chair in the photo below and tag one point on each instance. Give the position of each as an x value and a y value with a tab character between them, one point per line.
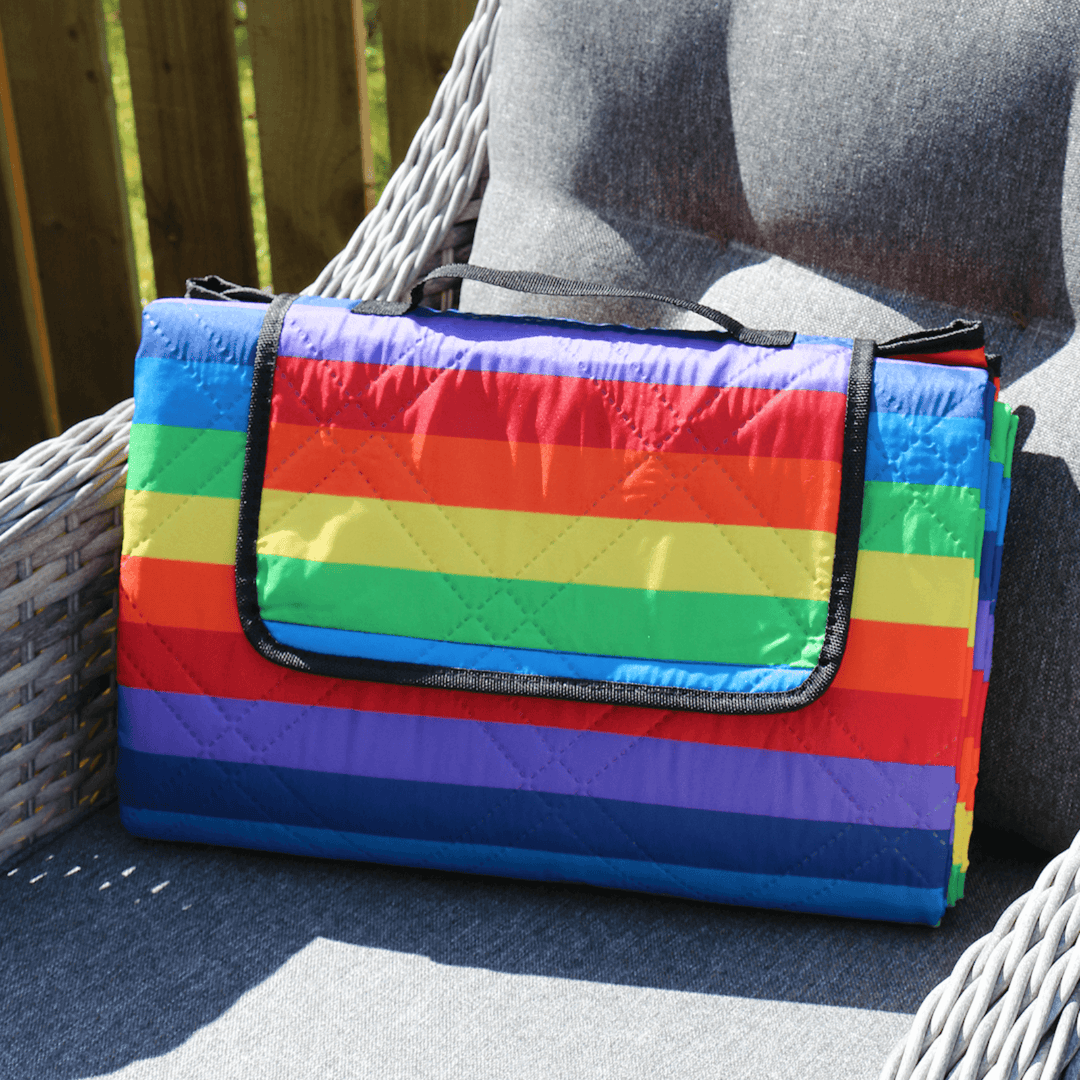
1012	1004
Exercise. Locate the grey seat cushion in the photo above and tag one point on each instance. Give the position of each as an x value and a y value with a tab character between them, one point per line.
203	962
843	167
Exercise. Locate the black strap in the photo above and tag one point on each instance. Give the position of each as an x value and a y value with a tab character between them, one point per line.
213	287
545	285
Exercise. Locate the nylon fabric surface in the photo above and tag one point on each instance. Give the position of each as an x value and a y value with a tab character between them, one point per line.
535	787
888	194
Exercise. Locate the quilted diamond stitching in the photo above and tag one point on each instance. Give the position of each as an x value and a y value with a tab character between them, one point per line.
629	423
664	867
842	726
620	415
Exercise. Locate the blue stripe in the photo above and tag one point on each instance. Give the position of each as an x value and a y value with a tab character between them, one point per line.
986	568
1006	495
193	370
995	483
989	397
453	814
852	899
193	395
201	330
925	450
533	661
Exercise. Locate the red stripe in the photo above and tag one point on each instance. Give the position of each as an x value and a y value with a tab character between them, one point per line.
547	409
856	724
967	772
784	493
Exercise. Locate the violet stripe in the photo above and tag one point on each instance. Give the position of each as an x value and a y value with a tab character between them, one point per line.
984	636
618	354
519	756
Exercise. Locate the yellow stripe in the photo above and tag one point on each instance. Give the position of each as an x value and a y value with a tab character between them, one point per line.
656	555
963	824
194	527
678	556
928	590
974	615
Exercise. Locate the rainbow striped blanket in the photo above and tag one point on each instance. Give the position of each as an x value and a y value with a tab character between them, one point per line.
645	609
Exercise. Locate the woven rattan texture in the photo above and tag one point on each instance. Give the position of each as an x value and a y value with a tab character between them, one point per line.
60	523
61	501
1011	1006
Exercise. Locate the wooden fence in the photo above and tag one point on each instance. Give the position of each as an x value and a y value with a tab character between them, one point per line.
69	306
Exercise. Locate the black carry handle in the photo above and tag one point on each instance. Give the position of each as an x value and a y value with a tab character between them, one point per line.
528	282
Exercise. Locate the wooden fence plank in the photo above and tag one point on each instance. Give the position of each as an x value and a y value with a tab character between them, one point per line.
65	117
28	407
185	92
303	59
419	40
371	196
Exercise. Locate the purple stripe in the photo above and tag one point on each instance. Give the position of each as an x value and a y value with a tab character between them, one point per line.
618	354
519	756
984	636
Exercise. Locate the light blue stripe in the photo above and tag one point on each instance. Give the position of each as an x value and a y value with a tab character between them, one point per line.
185	393
855	899
925	450
728	677
995	483
901	386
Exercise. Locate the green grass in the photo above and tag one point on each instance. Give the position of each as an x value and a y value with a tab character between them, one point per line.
251	146
376	81
129	149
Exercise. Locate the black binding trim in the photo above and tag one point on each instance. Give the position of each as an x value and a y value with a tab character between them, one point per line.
959	334
214	287
849	523
546	285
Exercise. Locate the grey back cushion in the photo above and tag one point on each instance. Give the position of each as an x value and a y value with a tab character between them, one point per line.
851	167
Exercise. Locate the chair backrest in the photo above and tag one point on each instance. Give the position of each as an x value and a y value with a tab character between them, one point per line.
923	147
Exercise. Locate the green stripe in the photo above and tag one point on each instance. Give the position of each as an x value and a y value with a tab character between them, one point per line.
1003	436
676	626
955	890
921	519
186	461
999	433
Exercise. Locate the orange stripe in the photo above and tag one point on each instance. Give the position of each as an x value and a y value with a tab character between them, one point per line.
171	592
785	493
896	658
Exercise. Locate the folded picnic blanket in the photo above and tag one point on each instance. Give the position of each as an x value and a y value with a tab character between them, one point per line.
548	600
